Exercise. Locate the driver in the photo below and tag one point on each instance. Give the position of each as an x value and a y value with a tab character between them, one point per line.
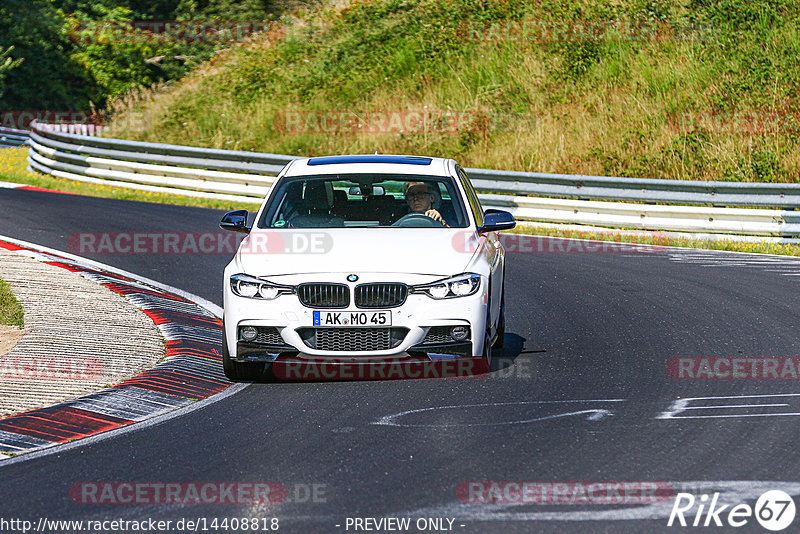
420	200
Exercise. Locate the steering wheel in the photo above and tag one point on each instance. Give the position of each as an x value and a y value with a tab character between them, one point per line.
417	220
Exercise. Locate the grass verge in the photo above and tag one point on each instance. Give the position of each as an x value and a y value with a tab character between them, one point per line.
656	238
11	313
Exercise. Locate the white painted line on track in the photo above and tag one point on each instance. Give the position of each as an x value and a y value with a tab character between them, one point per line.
729	416
733	406
683	405
595	414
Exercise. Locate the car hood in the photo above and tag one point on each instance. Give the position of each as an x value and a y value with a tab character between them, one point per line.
432	251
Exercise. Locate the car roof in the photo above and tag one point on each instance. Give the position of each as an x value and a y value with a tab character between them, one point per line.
370	163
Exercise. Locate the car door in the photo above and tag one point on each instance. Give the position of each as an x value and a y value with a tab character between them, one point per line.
491	248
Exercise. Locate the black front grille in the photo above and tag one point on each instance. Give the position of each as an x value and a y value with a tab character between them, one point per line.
267	335
380	295
324	295
441	334
438	334
352	339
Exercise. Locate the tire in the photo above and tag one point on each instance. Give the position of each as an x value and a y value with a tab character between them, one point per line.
486	355
486	352
239	371
501	321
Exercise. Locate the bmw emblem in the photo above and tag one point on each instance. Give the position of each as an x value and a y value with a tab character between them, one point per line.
352	278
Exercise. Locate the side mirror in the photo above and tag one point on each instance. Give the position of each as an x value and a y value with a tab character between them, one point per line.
235	221
497	220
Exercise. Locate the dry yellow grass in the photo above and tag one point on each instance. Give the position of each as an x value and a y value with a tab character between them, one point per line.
616	121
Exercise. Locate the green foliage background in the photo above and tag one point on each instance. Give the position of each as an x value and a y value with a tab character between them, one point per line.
55	66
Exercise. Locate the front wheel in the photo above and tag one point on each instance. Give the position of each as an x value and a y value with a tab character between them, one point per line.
239	371
486	354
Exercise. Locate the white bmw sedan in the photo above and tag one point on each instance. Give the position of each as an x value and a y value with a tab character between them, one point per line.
359	262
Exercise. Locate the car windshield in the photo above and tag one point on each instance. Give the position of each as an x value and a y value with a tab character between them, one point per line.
365	200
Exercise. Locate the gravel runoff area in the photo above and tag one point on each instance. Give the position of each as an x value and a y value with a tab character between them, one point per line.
79	337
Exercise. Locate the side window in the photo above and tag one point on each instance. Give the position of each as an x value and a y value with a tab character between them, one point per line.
449	203
472	196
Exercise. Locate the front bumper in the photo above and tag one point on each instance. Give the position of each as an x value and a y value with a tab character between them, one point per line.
292	333
257	352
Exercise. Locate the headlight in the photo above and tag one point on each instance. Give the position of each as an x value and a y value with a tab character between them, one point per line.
456	286
438	291
256	288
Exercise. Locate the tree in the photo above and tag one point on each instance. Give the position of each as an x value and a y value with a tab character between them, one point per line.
6	64
47	78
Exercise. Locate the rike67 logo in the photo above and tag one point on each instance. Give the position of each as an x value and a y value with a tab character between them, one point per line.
774	510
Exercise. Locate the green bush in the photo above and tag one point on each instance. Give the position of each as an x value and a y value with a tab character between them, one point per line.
72	61
11	313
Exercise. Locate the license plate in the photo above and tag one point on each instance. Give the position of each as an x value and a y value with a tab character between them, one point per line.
353	318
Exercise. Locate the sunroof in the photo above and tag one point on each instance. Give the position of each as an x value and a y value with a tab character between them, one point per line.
370	158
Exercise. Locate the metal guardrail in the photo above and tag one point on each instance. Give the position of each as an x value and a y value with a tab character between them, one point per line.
737	194
694	219
10	138
225	174
247	176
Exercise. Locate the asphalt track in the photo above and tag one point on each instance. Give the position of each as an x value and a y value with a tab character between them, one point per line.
577	397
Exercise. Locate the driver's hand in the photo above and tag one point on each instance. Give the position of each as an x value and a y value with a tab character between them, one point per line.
435	215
